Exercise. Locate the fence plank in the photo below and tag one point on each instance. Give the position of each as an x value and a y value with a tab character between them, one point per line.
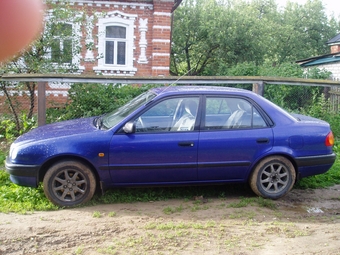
41	103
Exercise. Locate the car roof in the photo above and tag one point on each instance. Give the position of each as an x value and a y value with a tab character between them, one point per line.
198	90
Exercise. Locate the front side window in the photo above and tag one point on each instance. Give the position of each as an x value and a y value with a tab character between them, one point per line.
231	113
171	115
115	45
61	46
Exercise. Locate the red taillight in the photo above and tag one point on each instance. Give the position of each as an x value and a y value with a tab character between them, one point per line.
329	139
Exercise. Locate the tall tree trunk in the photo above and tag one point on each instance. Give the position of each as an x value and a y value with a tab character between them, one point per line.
31	88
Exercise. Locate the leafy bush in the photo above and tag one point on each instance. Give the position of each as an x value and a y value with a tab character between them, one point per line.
2	157
95	99
14	198
9	129
321	109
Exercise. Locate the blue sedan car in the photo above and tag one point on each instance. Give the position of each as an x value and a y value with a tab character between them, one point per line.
176	135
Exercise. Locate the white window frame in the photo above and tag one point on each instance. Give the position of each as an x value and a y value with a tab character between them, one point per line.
120	19
61	43
115	48
76	30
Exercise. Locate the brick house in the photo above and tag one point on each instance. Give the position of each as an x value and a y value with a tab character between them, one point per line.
115	38
127	37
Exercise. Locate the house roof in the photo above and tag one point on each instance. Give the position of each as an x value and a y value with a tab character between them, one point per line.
334	40
323	59
319	60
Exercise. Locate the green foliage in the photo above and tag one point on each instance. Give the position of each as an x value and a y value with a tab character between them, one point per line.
95	99
292	98
321	109
2	157
212	36
8	128
245	201
19	199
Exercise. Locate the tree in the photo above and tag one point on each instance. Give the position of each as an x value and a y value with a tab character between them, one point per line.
303	32
209	35
212	36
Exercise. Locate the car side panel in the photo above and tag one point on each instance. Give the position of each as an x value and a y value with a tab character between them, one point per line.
153	157
228	155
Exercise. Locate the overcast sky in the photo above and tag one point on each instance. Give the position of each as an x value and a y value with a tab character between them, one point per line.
332	6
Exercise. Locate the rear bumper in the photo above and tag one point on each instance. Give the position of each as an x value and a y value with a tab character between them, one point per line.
308	166
24	175
316	160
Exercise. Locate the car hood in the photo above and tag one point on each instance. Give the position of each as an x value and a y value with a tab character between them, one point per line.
59	130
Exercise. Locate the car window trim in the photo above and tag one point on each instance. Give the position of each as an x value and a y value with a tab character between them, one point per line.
155	102
262	113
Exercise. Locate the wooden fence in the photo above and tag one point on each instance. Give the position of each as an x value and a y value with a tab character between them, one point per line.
258	83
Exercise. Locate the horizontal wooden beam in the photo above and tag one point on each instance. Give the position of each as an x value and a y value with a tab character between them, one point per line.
169	80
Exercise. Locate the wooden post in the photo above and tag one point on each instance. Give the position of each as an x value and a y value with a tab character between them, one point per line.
41	103
258	88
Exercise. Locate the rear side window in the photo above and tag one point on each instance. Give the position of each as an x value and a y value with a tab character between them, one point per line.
231	113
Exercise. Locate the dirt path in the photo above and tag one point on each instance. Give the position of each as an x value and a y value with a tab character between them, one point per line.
305	222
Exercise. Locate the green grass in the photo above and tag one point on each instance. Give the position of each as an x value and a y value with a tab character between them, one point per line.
2	157
14	198
259	201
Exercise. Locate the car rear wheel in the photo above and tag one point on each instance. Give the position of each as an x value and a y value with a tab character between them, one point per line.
69	183
273	177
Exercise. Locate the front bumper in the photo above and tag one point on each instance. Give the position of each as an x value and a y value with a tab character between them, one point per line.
23	175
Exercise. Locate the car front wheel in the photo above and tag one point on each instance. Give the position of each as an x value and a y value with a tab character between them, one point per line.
69	183
273	177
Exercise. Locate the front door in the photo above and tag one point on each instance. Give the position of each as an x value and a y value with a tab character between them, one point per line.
162	150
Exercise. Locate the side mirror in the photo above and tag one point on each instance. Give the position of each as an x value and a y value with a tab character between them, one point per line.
129	128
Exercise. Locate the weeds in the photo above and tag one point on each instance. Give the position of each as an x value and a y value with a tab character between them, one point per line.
112	214
19	199
244	202
170	210
97	214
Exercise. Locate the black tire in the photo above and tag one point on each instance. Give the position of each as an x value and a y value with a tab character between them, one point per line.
273	177
69	183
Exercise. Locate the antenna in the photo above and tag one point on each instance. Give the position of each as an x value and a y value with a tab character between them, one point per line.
172	84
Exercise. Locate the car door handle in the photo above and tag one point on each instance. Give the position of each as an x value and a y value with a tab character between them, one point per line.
262	140
186	144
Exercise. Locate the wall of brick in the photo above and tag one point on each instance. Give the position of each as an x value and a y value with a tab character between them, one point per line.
157	35
156	41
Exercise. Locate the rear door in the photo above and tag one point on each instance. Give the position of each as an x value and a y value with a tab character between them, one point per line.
233	135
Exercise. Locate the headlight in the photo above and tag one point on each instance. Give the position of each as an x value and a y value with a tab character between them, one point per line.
13	152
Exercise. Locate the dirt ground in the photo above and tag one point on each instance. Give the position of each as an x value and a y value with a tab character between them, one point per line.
304	222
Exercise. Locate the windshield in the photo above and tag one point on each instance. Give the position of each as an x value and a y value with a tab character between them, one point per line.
113	118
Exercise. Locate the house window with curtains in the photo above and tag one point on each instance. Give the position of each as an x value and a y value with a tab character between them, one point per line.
116	44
